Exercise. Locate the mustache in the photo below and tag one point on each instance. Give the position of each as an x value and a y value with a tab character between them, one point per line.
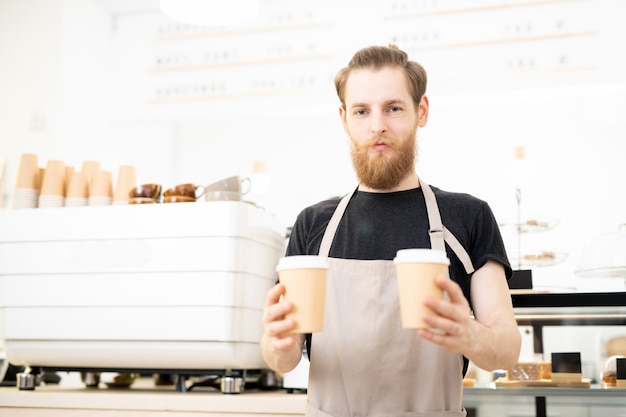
386	140
391	142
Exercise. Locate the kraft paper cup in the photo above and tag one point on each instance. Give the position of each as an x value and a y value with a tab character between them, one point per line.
304	278
54	179
69	171
126	181
101	189
42	172
51	200
28	172
25	198
90	168
416	271
77	186
27	183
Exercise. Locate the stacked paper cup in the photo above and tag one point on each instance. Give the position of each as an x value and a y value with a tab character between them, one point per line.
90	168
77	190
53	185
126	181
101	189
26	193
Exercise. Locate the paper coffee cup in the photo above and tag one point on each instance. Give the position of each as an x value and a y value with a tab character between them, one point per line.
77	186
304	278
417	270
101	185
28	172
126	181
53	182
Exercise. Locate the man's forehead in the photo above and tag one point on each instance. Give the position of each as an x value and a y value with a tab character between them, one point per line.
370	85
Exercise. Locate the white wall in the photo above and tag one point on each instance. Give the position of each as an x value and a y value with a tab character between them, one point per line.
29	78
59	100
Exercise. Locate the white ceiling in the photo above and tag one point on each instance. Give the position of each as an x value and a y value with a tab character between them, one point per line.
129	6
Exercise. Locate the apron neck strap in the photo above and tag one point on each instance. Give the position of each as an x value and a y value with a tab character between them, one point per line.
333	224
435	226
439	234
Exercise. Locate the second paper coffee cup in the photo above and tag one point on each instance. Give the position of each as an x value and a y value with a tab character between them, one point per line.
304	278
417	270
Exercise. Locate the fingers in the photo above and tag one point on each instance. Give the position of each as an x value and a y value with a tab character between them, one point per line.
454	291
453	341
275	309
273	296
455	306
276	324
450	318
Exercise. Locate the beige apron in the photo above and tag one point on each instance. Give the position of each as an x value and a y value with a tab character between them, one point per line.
363	362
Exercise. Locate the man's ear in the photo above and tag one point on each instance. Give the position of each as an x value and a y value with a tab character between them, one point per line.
342	115
422	112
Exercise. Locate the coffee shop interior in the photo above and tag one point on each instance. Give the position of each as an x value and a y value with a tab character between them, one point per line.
527	104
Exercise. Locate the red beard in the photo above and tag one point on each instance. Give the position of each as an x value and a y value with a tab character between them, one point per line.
383	170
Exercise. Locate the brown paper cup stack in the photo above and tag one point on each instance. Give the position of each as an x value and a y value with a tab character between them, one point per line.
126	181
53	185
27	184
69	171
42	172
417	270
304	278
77	190
101	189
91	168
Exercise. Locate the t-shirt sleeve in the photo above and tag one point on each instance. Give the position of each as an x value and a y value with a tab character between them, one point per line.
488	244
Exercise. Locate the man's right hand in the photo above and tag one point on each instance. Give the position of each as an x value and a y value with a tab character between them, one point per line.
281	350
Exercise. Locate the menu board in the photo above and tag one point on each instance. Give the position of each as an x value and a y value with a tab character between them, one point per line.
285	59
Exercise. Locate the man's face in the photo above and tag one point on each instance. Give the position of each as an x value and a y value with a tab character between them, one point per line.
381	121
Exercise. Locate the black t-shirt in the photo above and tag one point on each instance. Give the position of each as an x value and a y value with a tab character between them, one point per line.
377	225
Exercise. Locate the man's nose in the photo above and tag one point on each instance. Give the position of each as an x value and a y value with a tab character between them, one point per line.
378	124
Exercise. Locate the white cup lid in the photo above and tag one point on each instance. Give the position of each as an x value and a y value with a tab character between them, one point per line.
302	261
432	256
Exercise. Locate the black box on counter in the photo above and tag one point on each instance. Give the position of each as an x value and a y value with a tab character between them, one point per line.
522	279
566	366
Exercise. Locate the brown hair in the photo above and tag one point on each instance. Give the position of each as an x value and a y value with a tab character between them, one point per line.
377	57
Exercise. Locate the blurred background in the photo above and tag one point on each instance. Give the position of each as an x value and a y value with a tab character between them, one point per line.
527	105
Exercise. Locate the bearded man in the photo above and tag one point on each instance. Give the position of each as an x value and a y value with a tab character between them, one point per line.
364	363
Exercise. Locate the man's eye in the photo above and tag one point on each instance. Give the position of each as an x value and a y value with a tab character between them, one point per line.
395	109
360	112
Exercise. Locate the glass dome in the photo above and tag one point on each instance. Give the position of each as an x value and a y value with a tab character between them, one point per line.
605	256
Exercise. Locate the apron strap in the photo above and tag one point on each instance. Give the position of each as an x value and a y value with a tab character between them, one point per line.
435	230
458	250
333	224
439	234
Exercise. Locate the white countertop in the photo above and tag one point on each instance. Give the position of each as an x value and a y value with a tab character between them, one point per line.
149	399
144	399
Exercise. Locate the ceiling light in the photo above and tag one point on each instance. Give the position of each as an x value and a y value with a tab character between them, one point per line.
210	12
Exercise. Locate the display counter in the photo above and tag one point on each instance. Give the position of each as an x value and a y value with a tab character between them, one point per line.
541	310
143	399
